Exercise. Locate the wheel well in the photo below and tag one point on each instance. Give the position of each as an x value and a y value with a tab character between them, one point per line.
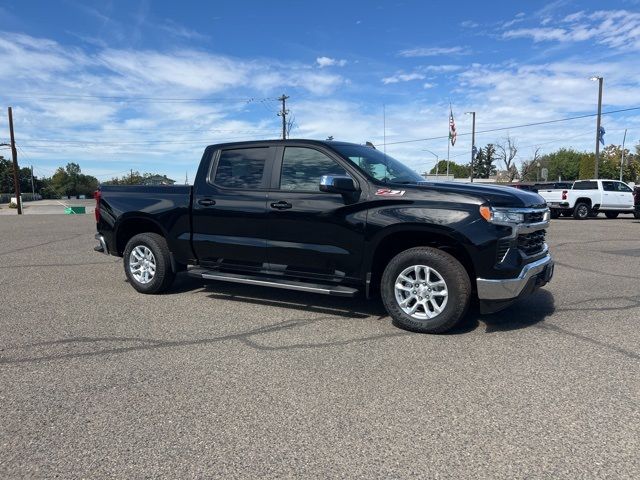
583	200
395	243
132	227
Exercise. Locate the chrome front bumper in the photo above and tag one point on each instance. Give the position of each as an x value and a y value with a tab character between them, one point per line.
102	247
508	288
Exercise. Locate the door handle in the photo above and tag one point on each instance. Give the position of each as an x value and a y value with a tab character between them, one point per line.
206	202
281	205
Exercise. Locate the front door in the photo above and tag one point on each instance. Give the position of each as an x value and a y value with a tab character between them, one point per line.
610	198
229	209
625	196
312	234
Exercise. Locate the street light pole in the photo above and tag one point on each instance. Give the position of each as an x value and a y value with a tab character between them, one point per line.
435	155
600	82
473	142
622	159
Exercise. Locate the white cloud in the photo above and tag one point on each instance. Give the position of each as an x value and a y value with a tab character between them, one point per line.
442	68
402	77
433	51
619	29
469	24
330	62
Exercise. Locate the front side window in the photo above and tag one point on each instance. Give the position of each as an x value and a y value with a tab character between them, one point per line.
378	165
623	187
241	168
303	167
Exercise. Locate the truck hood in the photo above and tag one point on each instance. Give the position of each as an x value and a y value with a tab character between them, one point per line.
496	195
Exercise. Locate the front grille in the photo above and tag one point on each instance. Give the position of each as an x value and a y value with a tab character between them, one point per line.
503	246
534	217
531	243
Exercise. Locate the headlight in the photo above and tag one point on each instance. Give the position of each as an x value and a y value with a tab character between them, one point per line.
501	215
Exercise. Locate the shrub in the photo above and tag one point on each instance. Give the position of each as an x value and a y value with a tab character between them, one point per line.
13	205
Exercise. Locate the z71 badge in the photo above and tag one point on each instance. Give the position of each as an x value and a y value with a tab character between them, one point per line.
387	192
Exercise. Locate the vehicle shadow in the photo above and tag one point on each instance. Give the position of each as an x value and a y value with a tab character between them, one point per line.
529	312
524	313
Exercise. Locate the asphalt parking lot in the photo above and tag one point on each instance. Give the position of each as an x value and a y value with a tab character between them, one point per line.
232	381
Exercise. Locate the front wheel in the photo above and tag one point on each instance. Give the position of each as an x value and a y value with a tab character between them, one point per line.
147	263
611	215
425	290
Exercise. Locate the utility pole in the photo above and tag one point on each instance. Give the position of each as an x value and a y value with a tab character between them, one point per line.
16	171
600	82
283	113
473	142
622	159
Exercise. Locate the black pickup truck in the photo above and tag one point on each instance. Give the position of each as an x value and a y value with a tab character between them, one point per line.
334	218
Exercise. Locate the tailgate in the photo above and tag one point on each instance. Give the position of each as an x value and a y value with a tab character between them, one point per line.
552	196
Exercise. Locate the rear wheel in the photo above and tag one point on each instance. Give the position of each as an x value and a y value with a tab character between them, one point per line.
611	215
581	211
636	214
147	263
425	290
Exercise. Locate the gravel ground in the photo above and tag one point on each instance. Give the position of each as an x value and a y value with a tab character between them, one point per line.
231	381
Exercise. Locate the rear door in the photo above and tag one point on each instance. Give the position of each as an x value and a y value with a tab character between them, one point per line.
229	208
312	234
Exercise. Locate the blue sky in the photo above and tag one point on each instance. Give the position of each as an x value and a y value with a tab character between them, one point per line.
115	85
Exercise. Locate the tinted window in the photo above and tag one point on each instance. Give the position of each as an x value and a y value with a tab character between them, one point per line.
585	186
302	169
623	188
378	165
609	186
241	168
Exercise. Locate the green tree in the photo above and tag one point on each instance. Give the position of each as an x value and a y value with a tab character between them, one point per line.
563	164
483	166
457	170
6	175
70	181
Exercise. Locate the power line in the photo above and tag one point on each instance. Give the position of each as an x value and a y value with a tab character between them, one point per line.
28	96
533	124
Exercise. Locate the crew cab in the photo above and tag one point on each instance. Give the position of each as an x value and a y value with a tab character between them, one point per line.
589	197
332	218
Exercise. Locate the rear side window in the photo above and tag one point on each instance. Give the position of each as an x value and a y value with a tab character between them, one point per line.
585	186
610	186
303	167
241	168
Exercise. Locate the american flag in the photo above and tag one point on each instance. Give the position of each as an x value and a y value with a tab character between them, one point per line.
452	128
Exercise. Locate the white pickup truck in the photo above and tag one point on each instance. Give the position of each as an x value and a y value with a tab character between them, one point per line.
589	197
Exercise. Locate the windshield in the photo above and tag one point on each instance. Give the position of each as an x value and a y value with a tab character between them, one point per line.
378	165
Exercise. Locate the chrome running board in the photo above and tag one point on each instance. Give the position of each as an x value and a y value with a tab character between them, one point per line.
337	290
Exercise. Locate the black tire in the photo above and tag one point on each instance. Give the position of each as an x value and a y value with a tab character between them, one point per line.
555	213
581	211
458	286
163	276
611	215
636	214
